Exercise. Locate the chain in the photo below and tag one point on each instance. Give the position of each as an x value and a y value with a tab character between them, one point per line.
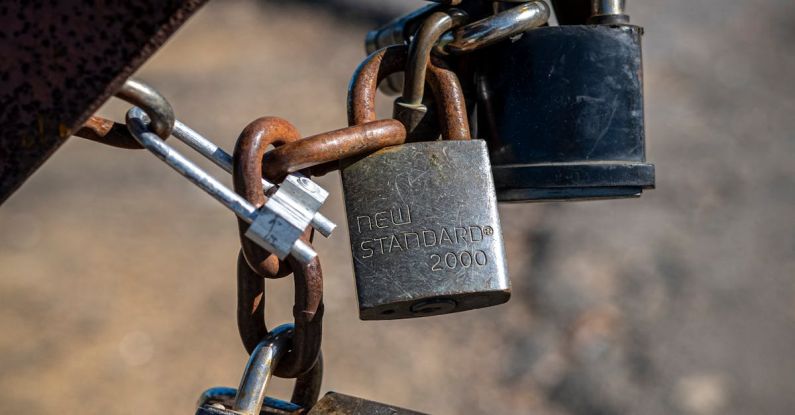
275	201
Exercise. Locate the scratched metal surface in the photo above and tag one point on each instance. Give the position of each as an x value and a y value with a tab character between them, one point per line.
61	61
424	229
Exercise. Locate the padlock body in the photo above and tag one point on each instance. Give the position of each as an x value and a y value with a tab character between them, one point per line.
424	230
339	404
564	114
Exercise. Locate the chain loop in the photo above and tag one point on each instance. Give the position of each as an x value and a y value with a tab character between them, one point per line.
429	33
393	59
326	149
308	314
250	148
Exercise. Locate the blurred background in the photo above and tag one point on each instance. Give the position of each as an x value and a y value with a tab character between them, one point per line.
117	277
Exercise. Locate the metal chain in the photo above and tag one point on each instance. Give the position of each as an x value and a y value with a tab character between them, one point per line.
258	172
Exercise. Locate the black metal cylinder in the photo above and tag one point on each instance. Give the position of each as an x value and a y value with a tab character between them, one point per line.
562	110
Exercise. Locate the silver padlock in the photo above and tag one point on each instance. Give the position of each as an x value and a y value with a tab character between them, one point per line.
277	226
250	397
424	228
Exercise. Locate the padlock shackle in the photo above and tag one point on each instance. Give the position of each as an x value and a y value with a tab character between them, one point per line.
108	132
263	363
428	34
254	263
450	101
375	68
259	369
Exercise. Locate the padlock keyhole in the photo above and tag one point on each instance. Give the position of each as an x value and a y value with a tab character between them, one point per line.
436	306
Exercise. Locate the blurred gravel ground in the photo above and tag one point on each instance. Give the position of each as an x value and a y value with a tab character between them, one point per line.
117	279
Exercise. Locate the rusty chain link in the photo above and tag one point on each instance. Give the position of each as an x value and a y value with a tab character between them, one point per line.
255	263
307	312
254	159
250	148
392	59
326	149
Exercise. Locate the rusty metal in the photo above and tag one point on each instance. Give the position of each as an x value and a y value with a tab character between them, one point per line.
277	226
108	132
450	101
308	317
332	146
362	88
365	134
224	160
406	185
444	83
320	152
307	312
61	62
307	386
411	108
250	148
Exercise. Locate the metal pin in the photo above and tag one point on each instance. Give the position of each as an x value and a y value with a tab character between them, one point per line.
223	160
137	123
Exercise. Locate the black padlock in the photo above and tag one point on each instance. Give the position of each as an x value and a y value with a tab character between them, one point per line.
562	110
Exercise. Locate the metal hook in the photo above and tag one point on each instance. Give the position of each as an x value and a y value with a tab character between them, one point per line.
138	126
152	102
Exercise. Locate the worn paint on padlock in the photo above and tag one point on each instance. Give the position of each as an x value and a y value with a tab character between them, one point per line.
424	230
338	404
562	109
